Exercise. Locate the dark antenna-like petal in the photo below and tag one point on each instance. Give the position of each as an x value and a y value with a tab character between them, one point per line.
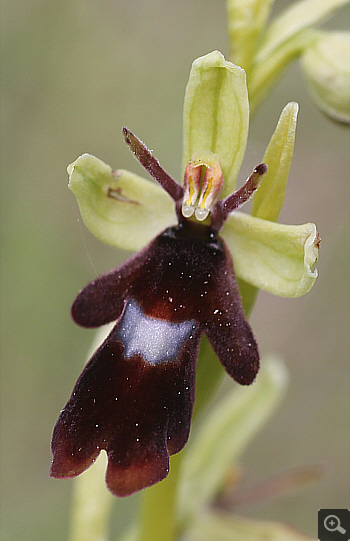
238	198
151	164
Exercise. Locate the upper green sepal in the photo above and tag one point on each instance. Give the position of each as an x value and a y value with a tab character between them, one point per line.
118	207
326	67
216	114
274	257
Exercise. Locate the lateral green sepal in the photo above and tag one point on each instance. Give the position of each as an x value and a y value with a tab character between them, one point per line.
119	207
274	257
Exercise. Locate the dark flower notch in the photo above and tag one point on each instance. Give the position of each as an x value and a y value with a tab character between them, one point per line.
135	396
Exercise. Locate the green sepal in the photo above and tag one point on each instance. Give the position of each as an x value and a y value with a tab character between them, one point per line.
216	114
269	198
274	257
326	67
219	441
118	207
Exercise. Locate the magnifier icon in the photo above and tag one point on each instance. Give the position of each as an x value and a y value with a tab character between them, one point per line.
332	524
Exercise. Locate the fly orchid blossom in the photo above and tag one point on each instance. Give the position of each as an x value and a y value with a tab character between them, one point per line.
135	396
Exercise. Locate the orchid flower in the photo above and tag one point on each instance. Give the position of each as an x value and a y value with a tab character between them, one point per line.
135	396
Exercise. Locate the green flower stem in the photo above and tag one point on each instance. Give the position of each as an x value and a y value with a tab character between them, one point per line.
92	504
158	520
208	376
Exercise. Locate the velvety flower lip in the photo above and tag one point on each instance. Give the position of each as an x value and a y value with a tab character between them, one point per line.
136	408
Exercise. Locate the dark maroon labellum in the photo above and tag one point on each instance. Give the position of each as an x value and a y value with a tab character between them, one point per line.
135	396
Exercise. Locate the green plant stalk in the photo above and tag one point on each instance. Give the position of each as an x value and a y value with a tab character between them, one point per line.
158	516
92	505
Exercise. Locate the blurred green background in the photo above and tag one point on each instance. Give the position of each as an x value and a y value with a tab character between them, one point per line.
73	73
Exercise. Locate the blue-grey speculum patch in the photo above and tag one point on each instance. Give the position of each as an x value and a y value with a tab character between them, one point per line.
154	339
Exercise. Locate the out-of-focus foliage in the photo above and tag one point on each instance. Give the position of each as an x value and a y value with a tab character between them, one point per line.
327	70
266	50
